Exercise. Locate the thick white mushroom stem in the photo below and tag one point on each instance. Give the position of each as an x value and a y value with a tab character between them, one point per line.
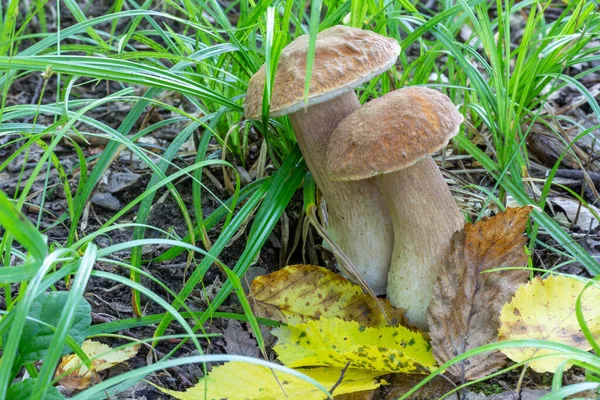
425	217
358	219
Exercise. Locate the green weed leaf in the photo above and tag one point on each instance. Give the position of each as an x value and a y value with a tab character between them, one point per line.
48	308
24	389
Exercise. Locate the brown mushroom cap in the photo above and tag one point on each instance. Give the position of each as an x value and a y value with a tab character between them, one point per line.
391	133
344	58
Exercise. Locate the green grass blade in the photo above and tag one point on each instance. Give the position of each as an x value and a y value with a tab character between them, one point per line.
68	313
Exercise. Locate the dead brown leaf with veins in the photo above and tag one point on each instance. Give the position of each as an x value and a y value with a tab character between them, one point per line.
465	308
238	340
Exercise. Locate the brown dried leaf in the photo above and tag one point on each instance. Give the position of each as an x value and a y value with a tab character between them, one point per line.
399	384
238	341
300	293
465	308
364	395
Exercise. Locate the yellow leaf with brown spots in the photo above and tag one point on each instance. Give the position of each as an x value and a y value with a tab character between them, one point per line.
238	380
545	310
334	342
300	293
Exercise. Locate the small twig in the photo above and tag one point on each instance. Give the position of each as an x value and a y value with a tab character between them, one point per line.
38	89
520	381
578	175
341	378
279	383
297	236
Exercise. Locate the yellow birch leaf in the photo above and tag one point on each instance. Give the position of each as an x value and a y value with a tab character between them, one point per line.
300	293
102	357
334	342
238	380
545	310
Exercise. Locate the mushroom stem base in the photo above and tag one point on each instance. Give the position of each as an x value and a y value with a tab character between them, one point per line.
425	218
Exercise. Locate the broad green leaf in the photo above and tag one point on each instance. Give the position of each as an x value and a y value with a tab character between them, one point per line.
24	389
255	382
545	309
48	308
334	342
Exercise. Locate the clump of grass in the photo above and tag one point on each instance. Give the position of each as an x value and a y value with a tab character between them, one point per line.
204	54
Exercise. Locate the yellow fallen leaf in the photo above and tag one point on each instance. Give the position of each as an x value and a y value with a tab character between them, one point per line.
300	293
335	342
545	310
102	357
238	380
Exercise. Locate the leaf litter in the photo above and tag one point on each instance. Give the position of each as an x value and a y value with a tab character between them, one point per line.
465	308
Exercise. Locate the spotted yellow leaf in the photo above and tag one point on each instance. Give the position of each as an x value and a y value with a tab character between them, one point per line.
237	380
545	310
299	293
334	342
102	357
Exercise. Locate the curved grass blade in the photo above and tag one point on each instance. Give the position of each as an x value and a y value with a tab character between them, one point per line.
67	316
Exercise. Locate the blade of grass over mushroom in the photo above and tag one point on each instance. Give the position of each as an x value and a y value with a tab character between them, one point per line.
270	66
313	28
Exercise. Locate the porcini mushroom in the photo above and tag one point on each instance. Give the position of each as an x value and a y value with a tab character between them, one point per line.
344	59
391	139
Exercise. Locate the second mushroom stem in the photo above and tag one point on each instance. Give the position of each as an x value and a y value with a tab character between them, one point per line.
425	217
358	220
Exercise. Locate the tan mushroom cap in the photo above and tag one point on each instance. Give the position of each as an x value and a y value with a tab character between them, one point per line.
391	133
345	57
